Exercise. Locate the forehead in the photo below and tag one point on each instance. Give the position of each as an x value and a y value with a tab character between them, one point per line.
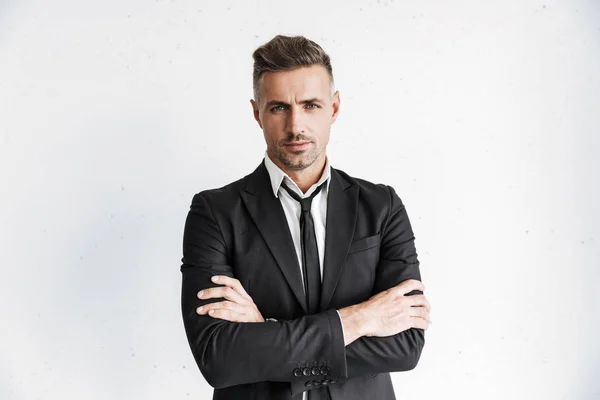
310	81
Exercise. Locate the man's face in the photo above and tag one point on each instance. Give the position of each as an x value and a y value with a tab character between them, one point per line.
295	110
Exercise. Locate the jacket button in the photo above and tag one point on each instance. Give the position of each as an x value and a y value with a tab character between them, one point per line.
324	371
315	370
298	372
306	371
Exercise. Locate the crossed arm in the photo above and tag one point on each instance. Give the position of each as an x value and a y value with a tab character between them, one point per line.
231	351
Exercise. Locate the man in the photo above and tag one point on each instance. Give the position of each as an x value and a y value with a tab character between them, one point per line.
300	281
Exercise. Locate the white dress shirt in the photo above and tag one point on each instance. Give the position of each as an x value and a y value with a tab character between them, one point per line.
292	210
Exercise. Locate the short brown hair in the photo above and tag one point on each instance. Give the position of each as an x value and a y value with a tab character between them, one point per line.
285	53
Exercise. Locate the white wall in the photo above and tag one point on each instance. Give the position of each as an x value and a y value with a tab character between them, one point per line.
484	116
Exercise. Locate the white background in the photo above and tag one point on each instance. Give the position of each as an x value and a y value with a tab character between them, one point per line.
484	115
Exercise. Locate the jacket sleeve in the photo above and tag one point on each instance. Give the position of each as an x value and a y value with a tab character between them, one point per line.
229	353
398	262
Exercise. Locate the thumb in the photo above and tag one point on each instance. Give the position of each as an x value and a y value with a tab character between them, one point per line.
409	285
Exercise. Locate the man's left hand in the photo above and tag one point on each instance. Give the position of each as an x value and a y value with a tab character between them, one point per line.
238	306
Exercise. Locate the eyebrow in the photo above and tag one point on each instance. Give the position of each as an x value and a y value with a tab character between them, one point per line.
283	103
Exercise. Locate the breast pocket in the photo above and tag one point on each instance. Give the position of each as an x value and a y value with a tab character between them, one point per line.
356	283
363	244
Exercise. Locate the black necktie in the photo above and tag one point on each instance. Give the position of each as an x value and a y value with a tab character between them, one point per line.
310	252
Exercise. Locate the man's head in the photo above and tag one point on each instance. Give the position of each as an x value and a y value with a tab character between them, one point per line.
294	100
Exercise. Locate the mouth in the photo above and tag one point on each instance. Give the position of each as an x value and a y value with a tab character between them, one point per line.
295	146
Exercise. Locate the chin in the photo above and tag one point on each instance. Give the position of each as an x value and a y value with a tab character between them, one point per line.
298	163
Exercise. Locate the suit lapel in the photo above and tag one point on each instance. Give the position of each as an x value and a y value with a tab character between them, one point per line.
267	213
342	208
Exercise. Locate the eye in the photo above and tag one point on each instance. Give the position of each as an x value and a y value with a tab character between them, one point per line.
312	104
278	108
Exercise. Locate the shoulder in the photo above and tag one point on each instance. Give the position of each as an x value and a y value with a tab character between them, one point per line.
221	198
378	192
223	193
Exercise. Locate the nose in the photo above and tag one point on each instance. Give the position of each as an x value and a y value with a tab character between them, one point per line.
295	122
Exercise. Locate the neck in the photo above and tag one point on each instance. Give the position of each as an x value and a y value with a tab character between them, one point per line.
308	176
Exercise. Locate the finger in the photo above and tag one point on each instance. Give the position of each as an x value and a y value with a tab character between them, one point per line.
222	292
231	282
225	292
418	322
225	305
419	312
418	300
227	315
410	285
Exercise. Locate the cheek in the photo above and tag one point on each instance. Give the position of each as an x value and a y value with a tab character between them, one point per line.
272	126
324	140
323	124
273	134
323	134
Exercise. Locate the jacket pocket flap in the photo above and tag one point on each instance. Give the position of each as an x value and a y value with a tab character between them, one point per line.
364	243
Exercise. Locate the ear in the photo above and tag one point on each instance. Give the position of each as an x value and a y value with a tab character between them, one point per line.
256	112
335	105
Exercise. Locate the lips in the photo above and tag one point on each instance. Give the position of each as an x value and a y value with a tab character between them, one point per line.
296	145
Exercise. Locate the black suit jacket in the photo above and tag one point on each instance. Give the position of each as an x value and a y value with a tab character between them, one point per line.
241	231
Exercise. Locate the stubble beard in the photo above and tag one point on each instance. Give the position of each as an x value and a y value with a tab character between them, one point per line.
297	160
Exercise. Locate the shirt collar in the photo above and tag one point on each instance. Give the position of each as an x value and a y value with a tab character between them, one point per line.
277	177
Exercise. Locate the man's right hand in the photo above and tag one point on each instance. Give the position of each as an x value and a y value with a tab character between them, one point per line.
387	313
